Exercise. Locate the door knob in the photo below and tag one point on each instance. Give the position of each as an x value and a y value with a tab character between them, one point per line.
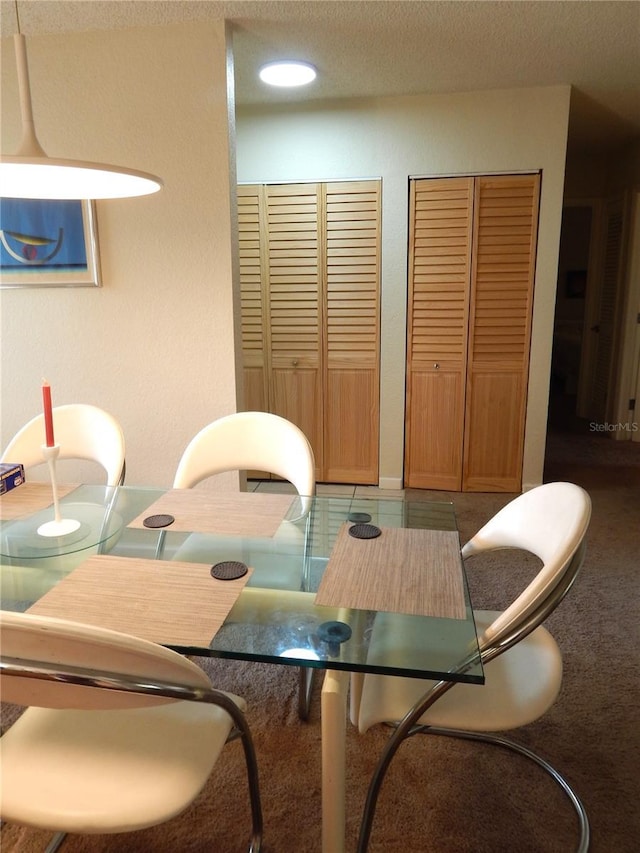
436	366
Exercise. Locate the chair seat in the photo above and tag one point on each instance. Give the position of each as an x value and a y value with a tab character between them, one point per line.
520	685
108	771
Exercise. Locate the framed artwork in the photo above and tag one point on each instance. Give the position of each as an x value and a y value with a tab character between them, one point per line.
47	243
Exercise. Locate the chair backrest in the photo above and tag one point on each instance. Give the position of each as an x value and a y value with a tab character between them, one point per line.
549	521
82	431
249	441
40	639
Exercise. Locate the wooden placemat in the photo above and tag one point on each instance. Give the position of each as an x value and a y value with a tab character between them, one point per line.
166	602
29	498
235	514
412	571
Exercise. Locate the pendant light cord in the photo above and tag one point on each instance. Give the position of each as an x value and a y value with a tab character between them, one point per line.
18	17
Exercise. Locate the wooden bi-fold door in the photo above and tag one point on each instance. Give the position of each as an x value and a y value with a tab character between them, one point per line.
471	272
309	272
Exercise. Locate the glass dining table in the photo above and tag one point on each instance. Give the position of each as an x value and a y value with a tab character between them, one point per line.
307	579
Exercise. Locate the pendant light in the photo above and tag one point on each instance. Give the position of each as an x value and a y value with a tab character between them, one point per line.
30	173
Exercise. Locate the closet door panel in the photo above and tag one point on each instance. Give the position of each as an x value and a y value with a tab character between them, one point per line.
350	436
310	285
294	281
434	457
297	396
438	308
494	448
294	303
352	324
254	390
505	236
254	326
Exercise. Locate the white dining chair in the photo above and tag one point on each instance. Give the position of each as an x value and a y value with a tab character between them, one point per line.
253	441
83	431
247	441
119	733
522	662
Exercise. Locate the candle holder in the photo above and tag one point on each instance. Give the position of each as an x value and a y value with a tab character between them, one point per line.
59	526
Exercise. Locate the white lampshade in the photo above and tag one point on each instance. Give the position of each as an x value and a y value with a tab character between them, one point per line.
49	178
31	174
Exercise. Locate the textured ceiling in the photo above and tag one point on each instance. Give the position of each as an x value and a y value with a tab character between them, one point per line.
382	47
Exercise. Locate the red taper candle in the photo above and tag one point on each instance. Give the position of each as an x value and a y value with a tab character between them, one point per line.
48	414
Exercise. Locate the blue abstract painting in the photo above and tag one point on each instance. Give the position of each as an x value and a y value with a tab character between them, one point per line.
47	243
43	234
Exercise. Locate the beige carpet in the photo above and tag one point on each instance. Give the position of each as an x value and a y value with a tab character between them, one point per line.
442	795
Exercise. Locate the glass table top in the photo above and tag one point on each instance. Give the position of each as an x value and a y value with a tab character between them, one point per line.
91	506
275	618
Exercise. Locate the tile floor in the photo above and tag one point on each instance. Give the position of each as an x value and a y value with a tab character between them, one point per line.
335	489
348	491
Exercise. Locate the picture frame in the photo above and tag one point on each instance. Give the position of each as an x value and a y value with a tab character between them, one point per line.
48	243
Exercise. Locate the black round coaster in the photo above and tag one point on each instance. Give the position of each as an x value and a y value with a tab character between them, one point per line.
158	520
334	632
361	517
228	570
364	531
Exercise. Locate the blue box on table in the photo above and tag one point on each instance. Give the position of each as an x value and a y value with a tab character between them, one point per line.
11	474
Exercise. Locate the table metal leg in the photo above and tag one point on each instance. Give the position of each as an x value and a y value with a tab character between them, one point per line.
334	731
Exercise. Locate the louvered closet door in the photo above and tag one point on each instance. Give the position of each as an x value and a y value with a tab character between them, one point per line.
253	274
352	323
505	234
439	278
295	298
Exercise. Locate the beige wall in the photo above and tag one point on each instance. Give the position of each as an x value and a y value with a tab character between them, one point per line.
155	344
394	138
601	173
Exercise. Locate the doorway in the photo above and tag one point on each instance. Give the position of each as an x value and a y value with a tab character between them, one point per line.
574	259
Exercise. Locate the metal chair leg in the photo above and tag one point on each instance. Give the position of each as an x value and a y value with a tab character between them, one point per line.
55	842
393	745
242	732
506	743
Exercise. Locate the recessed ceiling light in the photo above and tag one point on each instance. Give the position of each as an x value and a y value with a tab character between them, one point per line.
287	73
